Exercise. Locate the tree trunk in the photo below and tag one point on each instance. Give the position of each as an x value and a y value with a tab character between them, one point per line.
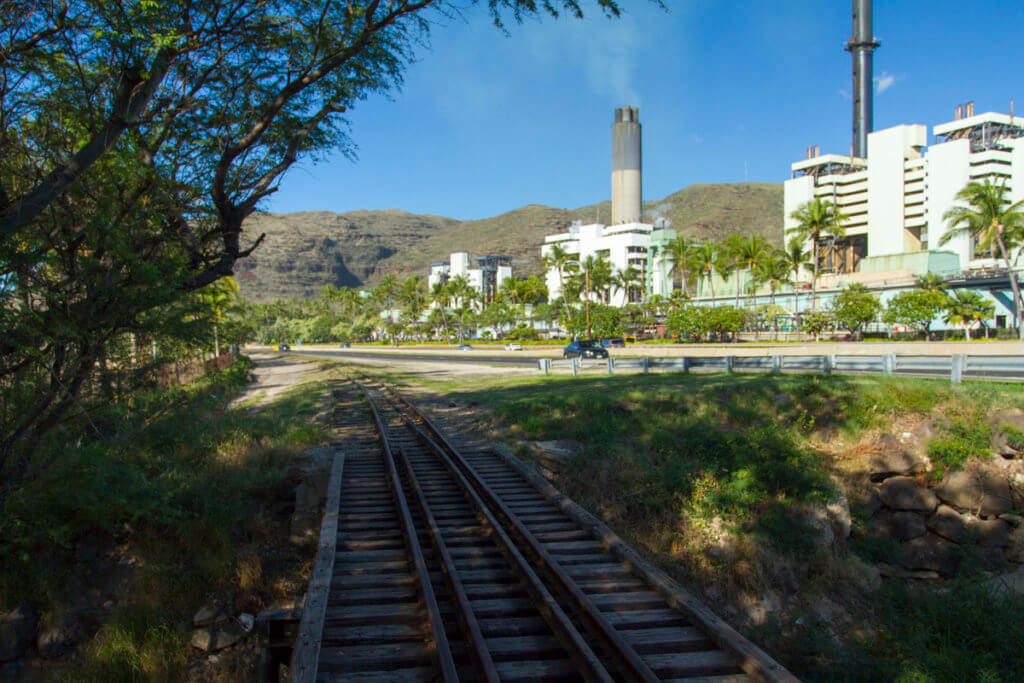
967	330
814	279
1016	290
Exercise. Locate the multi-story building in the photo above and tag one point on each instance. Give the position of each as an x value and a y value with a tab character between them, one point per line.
636	245
895	199
484	273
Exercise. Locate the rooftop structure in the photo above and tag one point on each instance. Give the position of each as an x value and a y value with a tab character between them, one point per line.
484	273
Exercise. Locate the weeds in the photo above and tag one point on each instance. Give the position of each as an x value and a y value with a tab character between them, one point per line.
964	439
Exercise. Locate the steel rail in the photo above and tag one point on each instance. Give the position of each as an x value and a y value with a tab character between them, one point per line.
590	665
627	660
464	613
446	663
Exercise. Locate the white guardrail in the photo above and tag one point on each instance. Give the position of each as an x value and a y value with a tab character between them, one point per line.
957	367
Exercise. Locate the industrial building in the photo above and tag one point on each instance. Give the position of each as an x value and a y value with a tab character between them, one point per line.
484	273
627	241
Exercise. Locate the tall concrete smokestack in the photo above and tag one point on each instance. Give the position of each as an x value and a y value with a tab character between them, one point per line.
860	48
627	202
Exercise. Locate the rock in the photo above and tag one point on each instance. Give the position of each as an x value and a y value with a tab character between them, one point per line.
817	519
891	460
948	523
61	638
206	615
863	574
930	552
1015	551
982	493
904	493
901	573
17	629
1013	581
991	533
217	637
916	441
307	498
866	501
1014	418
1012	519
991	559
906	525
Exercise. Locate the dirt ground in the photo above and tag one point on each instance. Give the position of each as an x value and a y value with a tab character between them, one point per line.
274	375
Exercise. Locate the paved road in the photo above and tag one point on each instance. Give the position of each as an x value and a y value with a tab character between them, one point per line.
460	357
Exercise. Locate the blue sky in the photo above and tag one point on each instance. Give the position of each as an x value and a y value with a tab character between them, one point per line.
727	92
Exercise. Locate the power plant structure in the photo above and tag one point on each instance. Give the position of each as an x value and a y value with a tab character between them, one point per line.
861	46
627	196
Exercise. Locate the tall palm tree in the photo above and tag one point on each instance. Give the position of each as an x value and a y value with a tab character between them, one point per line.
772	270
557	258
441	296
993	223
967	307
796	258
816	219
678	252
220	296
747	252
704	259
628	280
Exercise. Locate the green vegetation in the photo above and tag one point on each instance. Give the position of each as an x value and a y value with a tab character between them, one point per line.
194	492
689	467
964	439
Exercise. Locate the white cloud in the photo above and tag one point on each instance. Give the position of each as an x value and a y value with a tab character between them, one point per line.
884	82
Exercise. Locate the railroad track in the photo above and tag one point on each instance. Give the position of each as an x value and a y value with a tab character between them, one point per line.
443	563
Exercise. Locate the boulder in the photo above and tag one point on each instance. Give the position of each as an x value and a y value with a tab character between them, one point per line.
991	533
817	519
61	638
948	523
1013	581
1015	551
904	493
991	559
218	636
916	441
17	629
894	571
980	493
930	552
209	613
906	525
891	460
839	512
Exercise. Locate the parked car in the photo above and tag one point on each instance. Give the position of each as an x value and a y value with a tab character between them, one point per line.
585	348
343	345
282	347
463	347
513	346
613	342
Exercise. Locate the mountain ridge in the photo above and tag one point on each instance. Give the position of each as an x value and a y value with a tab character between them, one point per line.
303	251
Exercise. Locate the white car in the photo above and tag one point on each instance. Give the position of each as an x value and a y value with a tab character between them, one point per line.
513	346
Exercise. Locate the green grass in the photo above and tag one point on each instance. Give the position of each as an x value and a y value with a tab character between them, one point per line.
187	492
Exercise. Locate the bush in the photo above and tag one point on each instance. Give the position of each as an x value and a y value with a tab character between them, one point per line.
963	440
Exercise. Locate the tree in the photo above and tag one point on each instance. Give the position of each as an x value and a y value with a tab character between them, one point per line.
816	322
916	308
855	307
678	253
816	219
704	259
136	140
628	281
747	252
993	223
385	293
441	296
796	257
966	308
221	298
773	270
558	258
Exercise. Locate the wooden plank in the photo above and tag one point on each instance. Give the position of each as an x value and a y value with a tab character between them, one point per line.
307	645
385	657
668	640
371	634
528	672
753	660
417	675
706	663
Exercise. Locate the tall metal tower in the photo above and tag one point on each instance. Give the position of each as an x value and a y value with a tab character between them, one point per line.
860	47
627	202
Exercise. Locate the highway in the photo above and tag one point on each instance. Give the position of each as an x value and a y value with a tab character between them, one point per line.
476	357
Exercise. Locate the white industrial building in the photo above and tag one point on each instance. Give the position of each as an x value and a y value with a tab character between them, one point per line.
628	242
895	198
484	273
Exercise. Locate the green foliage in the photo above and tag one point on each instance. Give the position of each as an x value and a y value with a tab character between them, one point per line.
964	439
1014	437
916	308
605	321
855	307
704	322
816	322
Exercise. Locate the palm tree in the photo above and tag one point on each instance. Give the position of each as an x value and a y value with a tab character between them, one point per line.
993	223
678	252
796	257
747	252
774	271
558	258
704	259
627	280
465	296
220	297
967	307
441	296
816	219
